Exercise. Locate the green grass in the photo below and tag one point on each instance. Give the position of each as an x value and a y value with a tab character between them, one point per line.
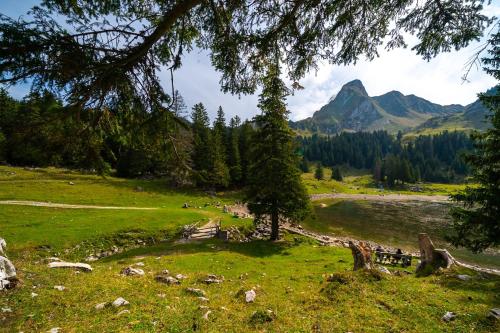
290	277
361	182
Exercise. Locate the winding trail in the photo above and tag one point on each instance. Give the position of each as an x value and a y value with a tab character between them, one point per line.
382	197
69	206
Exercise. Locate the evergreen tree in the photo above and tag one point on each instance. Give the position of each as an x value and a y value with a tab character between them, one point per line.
319	173
234	159
202	154
245	144
377	170
337	174
274	183
304	165
477	220
219	172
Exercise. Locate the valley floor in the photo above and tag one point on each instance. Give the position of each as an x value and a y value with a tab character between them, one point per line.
290	278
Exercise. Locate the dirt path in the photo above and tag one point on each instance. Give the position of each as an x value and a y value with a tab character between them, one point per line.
60	205
382	197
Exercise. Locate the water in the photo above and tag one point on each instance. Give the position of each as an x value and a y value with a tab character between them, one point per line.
395	224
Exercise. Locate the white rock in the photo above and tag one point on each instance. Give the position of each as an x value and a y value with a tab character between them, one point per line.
60	288
195	291
7	271
495	313
140	263
161	295
180	277
122	312
120	302
3	246
250	296
205	316
54	330
130	271
33	295
203	299
464	277
101	306
5	310
91	258
449	316
78	265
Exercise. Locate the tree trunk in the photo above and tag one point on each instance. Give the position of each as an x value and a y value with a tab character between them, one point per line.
362	255
275	226
431	259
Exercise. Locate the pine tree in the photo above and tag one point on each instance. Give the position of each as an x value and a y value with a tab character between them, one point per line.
234	159
201	155
477	221
274	183
219	172
245	144
304	165
336	174
319	173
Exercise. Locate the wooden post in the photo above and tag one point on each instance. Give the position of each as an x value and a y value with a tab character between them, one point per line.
362	255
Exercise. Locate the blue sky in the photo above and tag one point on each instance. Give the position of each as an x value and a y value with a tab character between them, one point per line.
438	80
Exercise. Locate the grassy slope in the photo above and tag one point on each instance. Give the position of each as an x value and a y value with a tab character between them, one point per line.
288	276
361	182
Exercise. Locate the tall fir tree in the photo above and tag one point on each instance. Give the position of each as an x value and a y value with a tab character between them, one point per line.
245	144
219	172
477	221
201	155
274	183
233	156
337	174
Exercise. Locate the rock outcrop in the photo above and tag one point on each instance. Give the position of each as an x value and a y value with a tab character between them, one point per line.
8	275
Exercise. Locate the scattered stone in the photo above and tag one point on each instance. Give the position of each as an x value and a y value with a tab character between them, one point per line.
101	306
180	277
8	275
120	302
71	183
33	295
203	299
5	310
384	269
130	271
3	246
60	288
78	265
449	316
205	316
213	279
185	205
122	312
495	313
196	292
250	296
140	263
166	279
54	330
464	277
165	271
203	307
323	205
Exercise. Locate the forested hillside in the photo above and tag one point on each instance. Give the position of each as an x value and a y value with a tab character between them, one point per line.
435	158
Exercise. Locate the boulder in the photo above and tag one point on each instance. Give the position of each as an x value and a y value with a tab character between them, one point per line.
120	301
163	278
101	306
60	288
449	316
131	271
362	255
180	277
250	296
211	278
8	275
78	266
495	313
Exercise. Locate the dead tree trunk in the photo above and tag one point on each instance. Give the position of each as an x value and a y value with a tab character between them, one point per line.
431	259
362	255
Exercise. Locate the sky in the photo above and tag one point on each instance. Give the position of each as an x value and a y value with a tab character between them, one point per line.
438	80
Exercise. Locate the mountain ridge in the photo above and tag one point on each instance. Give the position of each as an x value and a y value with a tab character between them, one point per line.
353	110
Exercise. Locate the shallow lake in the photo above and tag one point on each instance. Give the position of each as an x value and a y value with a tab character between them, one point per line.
395	224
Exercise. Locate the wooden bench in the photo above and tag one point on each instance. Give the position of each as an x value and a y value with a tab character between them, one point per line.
392	258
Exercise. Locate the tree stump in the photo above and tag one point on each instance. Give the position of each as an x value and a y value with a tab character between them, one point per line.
362	255
431	259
